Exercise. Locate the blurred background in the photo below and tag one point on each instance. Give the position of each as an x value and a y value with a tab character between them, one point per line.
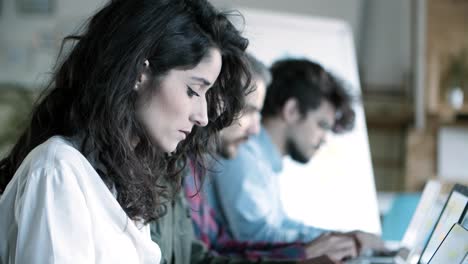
412	59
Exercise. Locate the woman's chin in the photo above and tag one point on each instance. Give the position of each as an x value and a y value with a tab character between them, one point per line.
171	148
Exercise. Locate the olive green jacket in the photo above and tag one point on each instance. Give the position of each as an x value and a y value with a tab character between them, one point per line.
175	236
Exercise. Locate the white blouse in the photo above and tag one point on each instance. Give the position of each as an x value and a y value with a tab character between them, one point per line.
57	209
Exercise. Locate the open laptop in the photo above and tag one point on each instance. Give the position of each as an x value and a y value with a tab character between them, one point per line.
428	221
454	247
425	216
421	224
454	211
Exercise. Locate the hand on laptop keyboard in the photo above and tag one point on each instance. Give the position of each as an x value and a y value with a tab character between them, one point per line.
367	241
320	260
336	246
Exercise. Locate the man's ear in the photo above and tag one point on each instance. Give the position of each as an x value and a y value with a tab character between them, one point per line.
290	111
144	77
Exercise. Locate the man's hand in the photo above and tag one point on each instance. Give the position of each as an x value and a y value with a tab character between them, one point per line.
333	245
367	241
319	260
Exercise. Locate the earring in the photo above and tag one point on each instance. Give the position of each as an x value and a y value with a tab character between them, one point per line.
137	84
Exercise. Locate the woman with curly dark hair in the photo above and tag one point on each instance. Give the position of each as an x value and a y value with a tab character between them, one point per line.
145	87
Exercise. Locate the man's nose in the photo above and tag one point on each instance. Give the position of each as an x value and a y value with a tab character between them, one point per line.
254	127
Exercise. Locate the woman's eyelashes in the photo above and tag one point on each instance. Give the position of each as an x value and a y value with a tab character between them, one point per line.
191	92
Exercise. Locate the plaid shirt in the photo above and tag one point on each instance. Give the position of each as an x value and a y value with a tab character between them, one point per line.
209	228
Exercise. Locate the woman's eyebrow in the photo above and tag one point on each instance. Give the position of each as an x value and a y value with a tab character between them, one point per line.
201	80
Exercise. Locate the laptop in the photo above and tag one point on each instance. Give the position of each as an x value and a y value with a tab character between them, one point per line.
432	216
453	248
425	216
421	224
454	211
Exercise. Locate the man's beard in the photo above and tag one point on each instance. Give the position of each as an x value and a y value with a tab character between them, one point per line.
228	149
294	152
223	151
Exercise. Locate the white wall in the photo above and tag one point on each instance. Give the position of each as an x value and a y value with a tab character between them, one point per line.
452	145
386	42
381	31
346	10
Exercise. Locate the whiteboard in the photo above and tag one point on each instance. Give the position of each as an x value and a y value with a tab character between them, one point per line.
336	190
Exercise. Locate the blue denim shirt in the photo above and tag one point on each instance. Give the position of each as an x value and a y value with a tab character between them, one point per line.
247	193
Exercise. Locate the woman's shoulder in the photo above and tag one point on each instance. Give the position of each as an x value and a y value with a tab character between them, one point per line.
56	148
54	153
54	161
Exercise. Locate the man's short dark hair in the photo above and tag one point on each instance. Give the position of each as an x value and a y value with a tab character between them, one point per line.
310	84
258	69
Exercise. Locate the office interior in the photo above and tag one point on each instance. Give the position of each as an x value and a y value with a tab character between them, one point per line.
411	59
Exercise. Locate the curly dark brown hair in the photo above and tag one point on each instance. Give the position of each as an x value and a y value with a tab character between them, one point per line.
91	95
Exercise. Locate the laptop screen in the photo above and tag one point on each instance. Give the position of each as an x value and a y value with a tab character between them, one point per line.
464	221
453	248
465	260
451	214
424	218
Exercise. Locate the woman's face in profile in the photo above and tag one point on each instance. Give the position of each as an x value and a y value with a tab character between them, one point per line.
179	103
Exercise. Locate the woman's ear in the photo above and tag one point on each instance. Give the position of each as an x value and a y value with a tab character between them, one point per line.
144	77
290	111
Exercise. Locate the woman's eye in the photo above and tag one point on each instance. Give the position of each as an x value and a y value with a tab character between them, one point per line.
191	92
